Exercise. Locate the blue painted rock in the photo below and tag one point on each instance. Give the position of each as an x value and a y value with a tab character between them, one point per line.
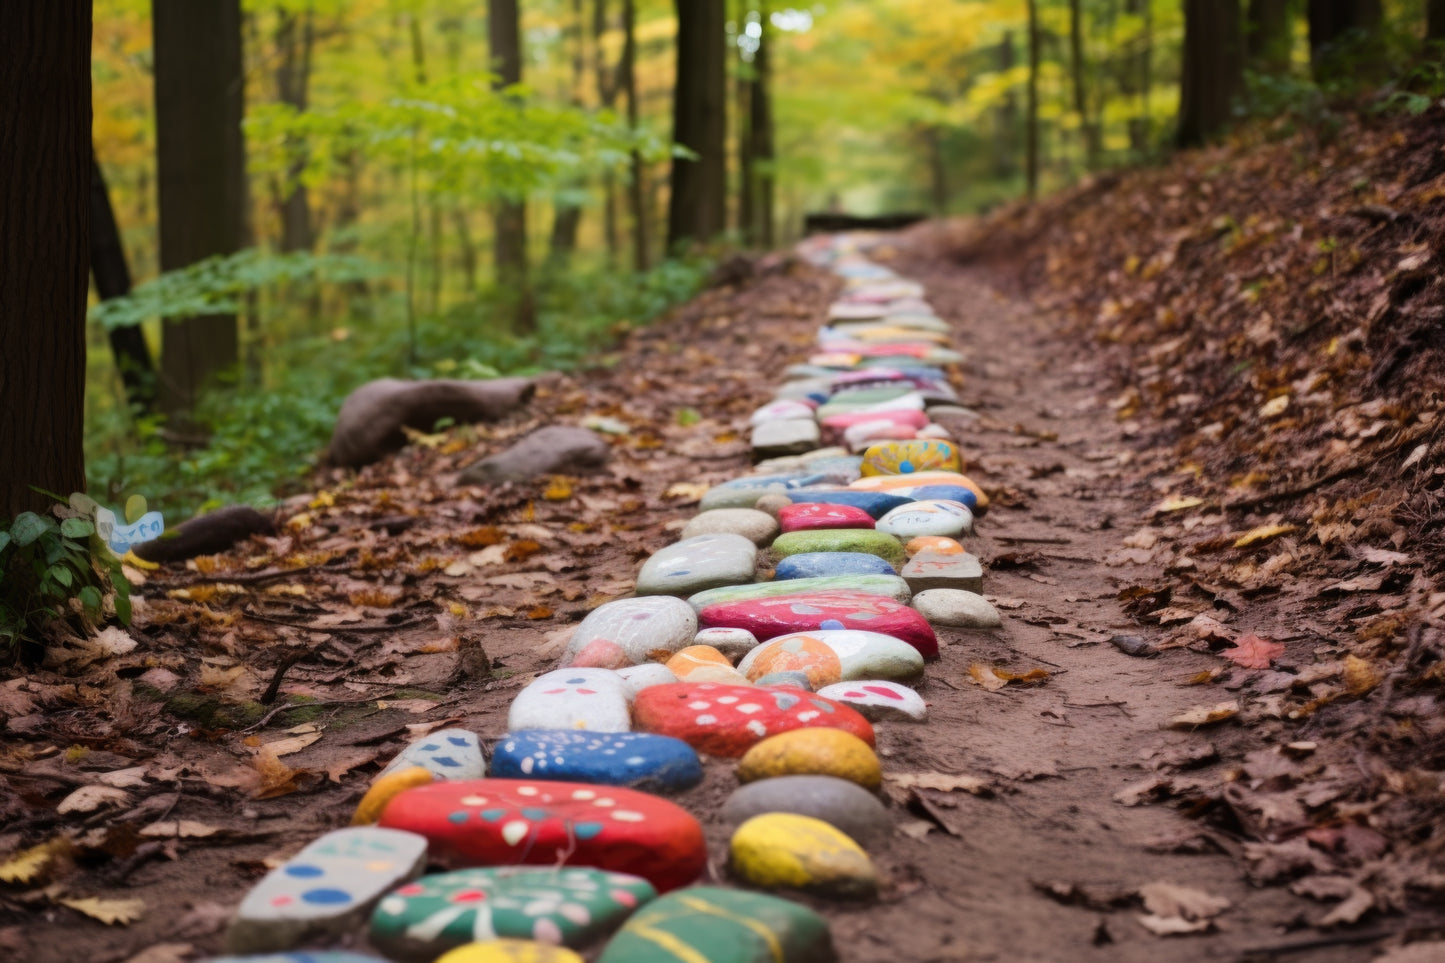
841	803
791	437
879	700
911	483
591	699
706	924
507	822
951	519
566	907
446	754
813	515
631	632
768	618
876	504
906	457
930	570
830	564
326	889
638	760
698	563
946	493
882	544
888	586
861	655
726	720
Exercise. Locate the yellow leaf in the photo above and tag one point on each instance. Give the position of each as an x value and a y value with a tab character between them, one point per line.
691	491
994	679
132	559
457	609
1360	677
26	865
1262	534
1205	715
559	489
299	523
1274	407
1177	503
322	500
422	438
109	911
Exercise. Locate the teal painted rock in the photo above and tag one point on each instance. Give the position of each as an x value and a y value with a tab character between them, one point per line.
885	546
564	907
887	586
698	563
708	924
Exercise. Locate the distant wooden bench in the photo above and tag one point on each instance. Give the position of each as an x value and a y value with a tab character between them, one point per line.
830	223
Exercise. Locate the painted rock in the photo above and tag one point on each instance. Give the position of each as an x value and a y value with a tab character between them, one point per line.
638	760
946	493
781	410
812	752
446	754
932	545
830	564
726	720
767	618
384	788
949	519
562	907
709	924
790	437
863	655
835	359
640	627
852	397
879	700
843	405
592	699
502	822
703	663
916	480
733	643
756	526
909	418
783	850
698	563
744	492
327	888
787	677
813	515
838	802
300	956
957	608
866	434
796	653
907	457
955	413
888	586
510	951
876	504
882	544
929	570
635	678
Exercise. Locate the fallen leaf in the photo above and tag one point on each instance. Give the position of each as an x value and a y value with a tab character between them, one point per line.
521	550
124	778
1262	534
690	491
559	489
993	678
285	747
1178	910
87	799
942	781
1359	676
179	828
1205	715
414	706
1176	503
27	865
1252	652
111	912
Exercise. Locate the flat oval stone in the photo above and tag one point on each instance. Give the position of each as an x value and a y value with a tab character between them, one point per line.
910	418
716	925
733	643
865	434
957	608
812	752
591	699
326	889
876	504
703	663
888	586
879	700
882	544
767	618
907	457
838	802
797	653
756	526
932	545
830	565
913	482
726	720
744	492
446	754
788	437
781	410
640	628
929	570
786	851
949	519
635	678
562	907
639	760
864	655
814	515
946	493
510	951
698	563
507	822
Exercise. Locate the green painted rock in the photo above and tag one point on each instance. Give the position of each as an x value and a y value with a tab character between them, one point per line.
707	924
888	586
565	907
873	542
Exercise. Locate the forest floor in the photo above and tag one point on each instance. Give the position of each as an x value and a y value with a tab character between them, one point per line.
1232	600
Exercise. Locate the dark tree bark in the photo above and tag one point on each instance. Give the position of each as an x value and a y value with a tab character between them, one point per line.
1434	20
1006	117
295	38
1345	36
44	249
1079	68
1138	78
697	208
112	280
760	126
504	36
637	190
1213	70
201	165
1031	109
1268	37
567	215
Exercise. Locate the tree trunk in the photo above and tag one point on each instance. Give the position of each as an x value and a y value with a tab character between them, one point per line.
1006	117
1213	69
764	150
1031	132
504	36
295	38
1434	20
697	207
112	280
747	173
567	215
44	244
1268	37
638	188
1345	38
1081	96
201	174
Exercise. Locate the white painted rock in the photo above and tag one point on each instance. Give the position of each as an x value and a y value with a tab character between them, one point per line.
635	678
446	754
792	436
326	890
932	570
867	433
631	631
929	517
783	408
733	643
957	608
878	700
697	564
590	699
864	655
758	527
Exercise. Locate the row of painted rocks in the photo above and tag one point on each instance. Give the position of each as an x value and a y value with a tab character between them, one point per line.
797	609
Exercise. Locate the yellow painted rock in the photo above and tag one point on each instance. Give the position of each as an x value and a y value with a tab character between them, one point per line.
510	951
933	544
812	752
381	792
918	479
798	653
783	850
889	333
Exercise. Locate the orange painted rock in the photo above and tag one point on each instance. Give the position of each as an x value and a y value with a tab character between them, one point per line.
799	653
703	663
727	720
932	545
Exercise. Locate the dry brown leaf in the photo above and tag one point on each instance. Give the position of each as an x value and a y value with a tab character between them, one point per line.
180	828
559	489
1252	652
1168	899
285	747
993	678
1360	677
1205	715
483	537
164	953
87	799
414	706
690	491
124	778
111	912
942	781
521	550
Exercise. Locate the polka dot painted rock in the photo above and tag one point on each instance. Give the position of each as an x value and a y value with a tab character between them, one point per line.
949	519
830	564
908	457
640	628
726	720
698	563
638	760
812	752
928	570
708	924
875	504
504	822
785	851
733	643
592	699
563	907
755	525
384	788
932	545
888	586
446	754
879	700
863	655
510	951
798	653
813	515
635	678
326	889
840	803
767	618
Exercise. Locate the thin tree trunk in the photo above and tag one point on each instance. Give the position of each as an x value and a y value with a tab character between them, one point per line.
638	187
697	206
1031	133
761	128
1212	72
1006	117
746	169
504	36
567	215
1081	96
45	213
295	37
1434	20
1345	37
112	280
1268	37
466	248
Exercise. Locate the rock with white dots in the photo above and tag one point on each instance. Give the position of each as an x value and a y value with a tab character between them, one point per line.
640	760
726	720
592	699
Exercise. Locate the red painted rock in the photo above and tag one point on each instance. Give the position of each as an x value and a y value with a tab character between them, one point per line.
504	822
767	618
726	720
913	419
810	516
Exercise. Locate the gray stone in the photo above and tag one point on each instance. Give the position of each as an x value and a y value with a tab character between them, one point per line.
932	570
956	608
699	563
951	412
772	504
733	643
636	628
372	417
841	803
791	436
554	450
757	526
927	517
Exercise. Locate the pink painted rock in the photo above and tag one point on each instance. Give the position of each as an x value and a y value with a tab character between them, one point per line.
814	515
767	618
726	720
910	418
507	822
